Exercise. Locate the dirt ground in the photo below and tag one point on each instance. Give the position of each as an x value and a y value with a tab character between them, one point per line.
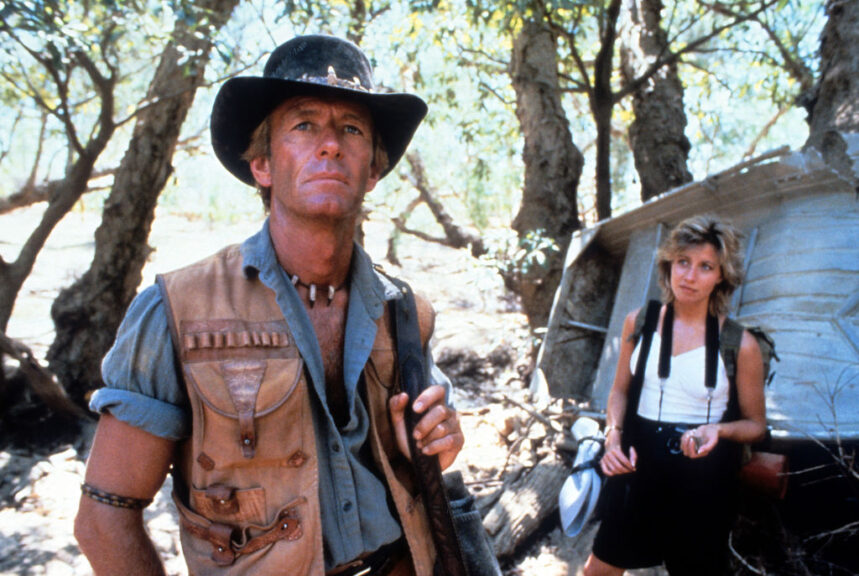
480	336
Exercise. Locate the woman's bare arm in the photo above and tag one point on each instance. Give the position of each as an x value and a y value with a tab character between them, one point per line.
615	461
752	424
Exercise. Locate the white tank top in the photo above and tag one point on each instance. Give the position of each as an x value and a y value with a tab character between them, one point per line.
684	396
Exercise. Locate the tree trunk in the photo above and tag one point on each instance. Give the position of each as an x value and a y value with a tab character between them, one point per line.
657	135
602	106
87	314
357	21
833	109
553	166
571	351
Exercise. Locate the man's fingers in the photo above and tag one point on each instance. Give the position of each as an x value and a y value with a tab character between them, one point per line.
434	421
438	431
449	425
432	395
397	407
442	443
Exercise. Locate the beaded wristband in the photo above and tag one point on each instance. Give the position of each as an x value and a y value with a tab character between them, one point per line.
114	499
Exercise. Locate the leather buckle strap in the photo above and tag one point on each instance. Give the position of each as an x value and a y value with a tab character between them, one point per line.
228	542
378	563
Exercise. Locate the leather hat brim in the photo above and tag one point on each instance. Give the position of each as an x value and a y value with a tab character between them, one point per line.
244	102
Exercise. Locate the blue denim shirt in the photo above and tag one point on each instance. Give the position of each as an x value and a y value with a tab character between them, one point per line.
143	388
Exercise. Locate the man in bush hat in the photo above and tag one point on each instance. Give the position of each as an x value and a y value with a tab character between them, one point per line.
265	375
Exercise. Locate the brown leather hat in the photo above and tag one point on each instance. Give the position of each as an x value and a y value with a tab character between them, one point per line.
307	66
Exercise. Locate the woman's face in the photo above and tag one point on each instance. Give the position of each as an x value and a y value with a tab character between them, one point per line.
695	272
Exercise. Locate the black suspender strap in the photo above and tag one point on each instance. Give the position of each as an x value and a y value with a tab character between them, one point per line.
711	354
667	336
711	358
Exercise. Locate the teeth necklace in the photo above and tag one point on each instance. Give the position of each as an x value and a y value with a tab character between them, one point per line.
312	289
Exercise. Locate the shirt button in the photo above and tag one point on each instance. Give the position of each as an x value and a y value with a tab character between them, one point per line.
335	447
347	506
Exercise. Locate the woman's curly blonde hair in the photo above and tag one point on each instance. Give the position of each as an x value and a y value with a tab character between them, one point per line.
705	229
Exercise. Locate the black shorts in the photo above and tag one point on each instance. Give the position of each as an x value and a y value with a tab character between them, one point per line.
672	509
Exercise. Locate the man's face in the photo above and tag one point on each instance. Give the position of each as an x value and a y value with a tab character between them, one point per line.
321	159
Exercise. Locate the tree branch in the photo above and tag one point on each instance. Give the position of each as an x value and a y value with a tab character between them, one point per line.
32	193
672	57
764	131
794	66
11	135
456	237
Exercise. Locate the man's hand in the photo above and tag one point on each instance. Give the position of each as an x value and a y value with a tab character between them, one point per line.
438	431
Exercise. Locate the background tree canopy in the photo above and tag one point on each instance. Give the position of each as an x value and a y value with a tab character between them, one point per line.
544	117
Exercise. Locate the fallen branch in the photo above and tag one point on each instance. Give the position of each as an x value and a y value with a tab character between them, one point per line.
41	381
551	424
850	529
739	557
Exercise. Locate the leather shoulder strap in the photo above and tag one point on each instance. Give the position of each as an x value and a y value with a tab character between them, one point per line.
405	315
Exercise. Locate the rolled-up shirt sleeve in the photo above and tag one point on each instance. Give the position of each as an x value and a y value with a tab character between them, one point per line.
141	384
438	378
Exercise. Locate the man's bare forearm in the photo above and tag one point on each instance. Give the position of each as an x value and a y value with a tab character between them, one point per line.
115	541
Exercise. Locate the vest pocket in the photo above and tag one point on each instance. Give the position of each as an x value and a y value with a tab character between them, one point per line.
224	503
223	544
246	410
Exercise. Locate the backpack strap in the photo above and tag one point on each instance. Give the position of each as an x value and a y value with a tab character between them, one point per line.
645	326
730	339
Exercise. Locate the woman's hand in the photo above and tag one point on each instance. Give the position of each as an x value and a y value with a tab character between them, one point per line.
614	461
700	441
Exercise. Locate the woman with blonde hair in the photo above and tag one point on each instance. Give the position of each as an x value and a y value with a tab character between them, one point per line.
674	424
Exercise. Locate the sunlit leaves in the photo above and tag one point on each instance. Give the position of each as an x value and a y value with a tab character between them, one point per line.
77	62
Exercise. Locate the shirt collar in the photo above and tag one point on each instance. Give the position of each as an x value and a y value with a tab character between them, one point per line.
373	286
257	251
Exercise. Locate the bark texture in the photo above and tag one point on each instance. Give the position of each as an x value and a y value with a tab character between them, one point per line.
527	500
833	108
602	100
88	313
657	135
553	166
589	293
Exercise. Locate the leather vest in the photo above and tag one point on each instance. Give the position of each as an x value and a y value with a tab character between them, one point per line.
246	483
